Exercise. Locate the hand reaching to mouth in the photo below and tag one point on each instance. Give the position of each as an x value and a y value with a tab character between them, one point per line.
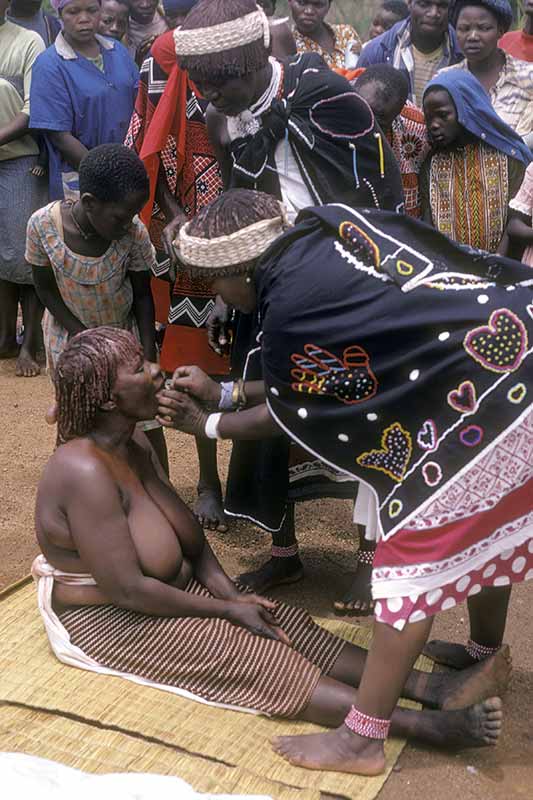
180	411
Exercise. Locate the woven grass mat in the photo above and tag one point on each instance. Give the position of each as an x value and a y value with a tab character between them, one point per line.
104	724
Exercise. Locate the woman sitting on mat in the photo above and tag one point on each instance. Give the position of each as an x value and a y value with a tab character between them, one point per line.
128	584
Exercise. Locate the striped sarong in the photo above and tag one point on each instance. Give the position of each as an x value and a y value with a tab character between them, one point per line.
208	660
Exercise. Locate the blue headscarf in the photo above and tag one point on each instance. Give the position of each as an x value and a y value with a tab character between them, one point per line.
476	114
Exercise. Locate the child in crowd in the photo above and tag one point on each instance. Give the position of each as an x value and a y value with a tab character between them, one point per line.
146	22
477	164
113	19
387	15
91	258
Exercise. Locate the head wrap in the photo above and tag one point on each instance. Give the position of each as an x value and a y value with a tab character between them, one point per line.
476	114
231	254
500	8
223	37
59	5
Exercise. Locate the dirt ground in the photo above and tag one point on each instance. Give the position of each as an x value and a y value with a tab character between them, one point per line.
327	541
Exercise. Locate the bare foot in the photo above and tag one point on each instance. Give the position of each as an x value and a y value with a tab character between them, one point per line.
209	509
337	751
358	599
26	367
477	726
488	678
449	654
275	572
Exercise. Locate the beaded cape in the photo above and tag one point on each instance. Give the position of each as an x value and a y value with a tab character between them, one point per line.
402	361
340	151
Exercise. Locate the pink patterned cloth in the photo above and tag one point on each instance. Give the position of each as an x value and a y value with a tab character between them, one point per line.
478	532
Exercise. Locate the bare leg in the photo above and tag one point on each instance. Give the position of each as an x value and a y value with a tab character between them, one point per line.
488	615
32	314
278	570
443	690
358	599
344	751
156	437
9	299
209	507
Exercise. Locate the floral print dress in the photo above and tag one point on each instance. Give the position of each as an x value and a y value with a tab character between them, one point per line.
97	290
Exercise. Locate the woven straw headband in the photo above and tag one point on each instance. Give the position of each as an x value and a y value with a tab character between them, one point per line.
225	36
240	247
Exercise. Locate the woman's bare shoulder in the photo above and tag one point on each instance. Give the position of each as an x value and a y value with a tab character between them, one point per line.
72	463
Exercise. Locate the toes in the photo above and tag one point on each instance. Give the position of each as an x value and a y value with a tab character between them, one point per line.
493	704
281	745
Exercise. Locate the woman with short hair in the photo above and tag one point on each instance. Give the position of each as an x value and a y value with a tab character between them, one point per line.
82	94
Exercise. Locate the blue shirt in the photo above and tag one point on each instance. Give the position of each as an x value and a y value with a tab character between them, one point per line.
69	93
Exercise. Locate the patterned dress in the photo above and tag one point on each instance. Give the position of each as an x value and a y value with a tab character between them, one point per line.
467	191
169	133
409	141
97	290
342	56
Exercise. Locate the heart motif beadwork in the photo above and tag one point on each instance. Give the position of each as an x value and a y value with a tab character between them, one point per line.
395	453
395	508
427	436
432	473
471	436
404	269
463	399
517	393
529	310
500	345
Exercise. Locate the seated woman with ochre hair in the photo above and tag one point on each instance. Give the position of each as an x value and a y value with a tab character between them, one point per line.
121	552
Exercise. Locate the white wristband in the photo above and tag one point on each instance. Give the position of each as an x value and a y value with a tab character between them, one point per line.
211	426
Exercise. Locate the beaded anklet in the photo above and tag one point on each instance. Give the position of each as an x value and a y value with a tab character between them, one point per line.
370	727
285	552
365	557
478	651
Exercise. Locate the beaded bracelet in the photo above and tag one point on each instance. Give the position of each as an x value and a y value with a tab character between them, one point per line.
370	727
285	552
478	651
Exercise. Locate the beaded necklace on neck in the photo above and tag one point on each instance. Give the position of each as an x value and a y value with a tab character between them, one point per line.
84	235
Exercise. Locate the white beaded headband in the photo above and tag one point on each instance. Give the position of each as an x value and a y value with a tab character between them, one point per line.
240	247
225	36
